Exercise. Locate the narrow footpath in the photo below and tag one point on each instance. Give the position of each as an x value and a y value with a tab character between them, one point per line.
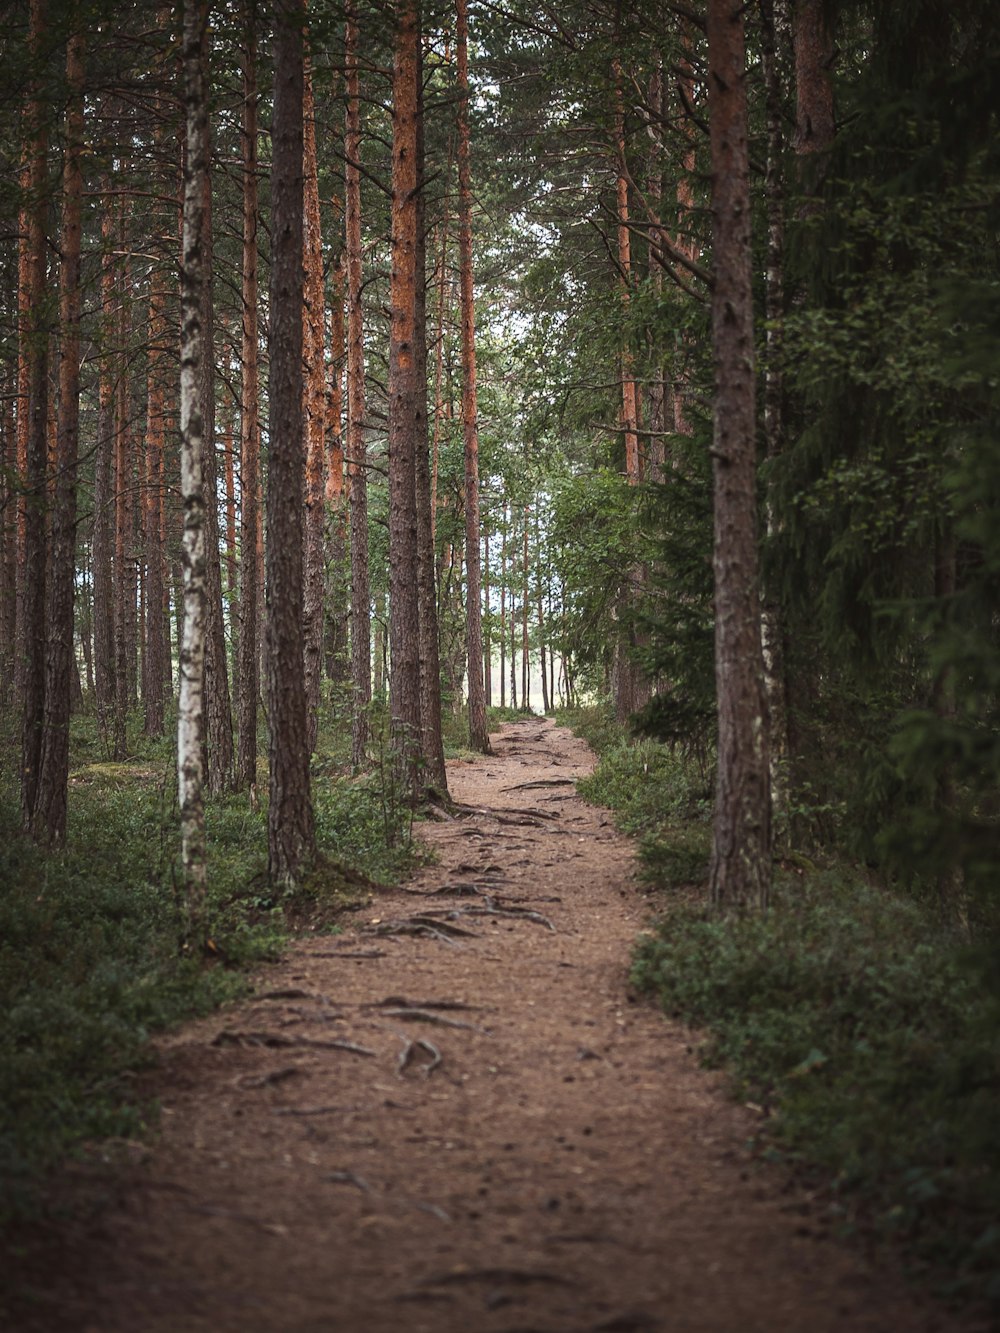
455	1118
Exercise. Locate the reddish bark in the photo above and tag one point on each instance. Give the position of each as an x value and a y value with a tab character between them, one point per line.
33	401
248	647
290	826
740	868
48	815
478	734
361	665
406	404
313	346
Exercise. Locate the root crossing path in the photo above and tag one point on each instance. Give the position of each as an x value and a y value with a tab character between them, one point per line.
454	1118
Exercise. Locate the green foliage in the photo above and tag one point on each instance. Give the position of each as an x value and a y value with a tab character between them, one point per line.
659	794
870	1040
92	954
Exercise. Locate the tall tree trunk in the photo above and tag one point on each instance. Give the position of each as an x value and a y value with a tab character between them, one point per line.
194	349
154	675
8	545
630	413
33	401
434	775
248	663
773	28
624	675
503	608
104	527
740	868
48	817
478	735
124	570
815	126
525	619
337	592
357	463
487	637
217	698
406	403
654	189
291	835
314	348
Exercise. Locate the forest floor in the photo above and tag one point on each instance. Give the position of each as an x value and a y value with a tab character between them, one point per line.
455	1118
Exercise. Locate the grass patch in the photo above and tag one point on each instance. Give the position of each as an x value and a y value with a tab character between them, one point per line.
659	796
870	1041
92	958
866	1034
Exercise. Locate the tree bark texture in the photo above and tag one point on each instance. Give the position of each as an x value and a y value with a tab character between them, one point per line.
478	735
194	348
48	817
33	372
434	775
314	347
361	649
406	403
248	643
104	510
815	125
218	701
774	43
290	827
740	867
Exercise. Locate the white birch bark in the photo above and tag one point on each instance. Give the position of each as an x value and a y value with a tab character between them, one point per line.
190	713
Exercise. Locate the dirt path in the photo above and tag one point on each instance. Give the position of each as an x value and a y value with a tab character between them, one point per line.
515	1145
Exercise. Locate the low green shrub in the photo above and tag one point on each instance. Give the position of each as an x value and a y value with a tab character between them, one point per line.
93	957
870	1041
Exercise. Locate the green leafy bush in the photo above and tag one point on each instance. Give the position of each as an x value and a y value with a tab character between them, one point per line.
870	1040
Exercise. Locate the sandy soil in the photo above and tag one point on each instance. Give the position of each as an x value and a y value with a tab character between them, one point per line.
455	1118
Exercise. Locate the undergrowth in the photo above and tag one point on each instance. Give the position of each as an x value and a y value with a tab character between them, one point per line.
92	954
865	1034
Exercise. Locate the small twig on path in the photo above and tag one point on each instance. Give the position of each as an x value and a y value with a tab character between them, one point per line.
541	782
237	1038
401	1002
409	1051
307	1110
275	1076
424	924
490	908
348	1178
230	1215
348	953
425	1016
519	1275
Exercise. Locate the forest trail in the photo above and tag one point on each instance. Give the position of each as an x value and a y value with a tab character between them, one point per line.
454	1118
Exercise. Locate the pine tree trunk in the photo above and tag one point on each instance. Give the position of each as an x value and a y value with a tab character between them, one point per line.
773	23
434	776
478	735
337	592
8	544
48	816
248	660
290	828
314	347
218	701
740	868
406	404
124	570
357	463
154	674
33	371
103	529
194	350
